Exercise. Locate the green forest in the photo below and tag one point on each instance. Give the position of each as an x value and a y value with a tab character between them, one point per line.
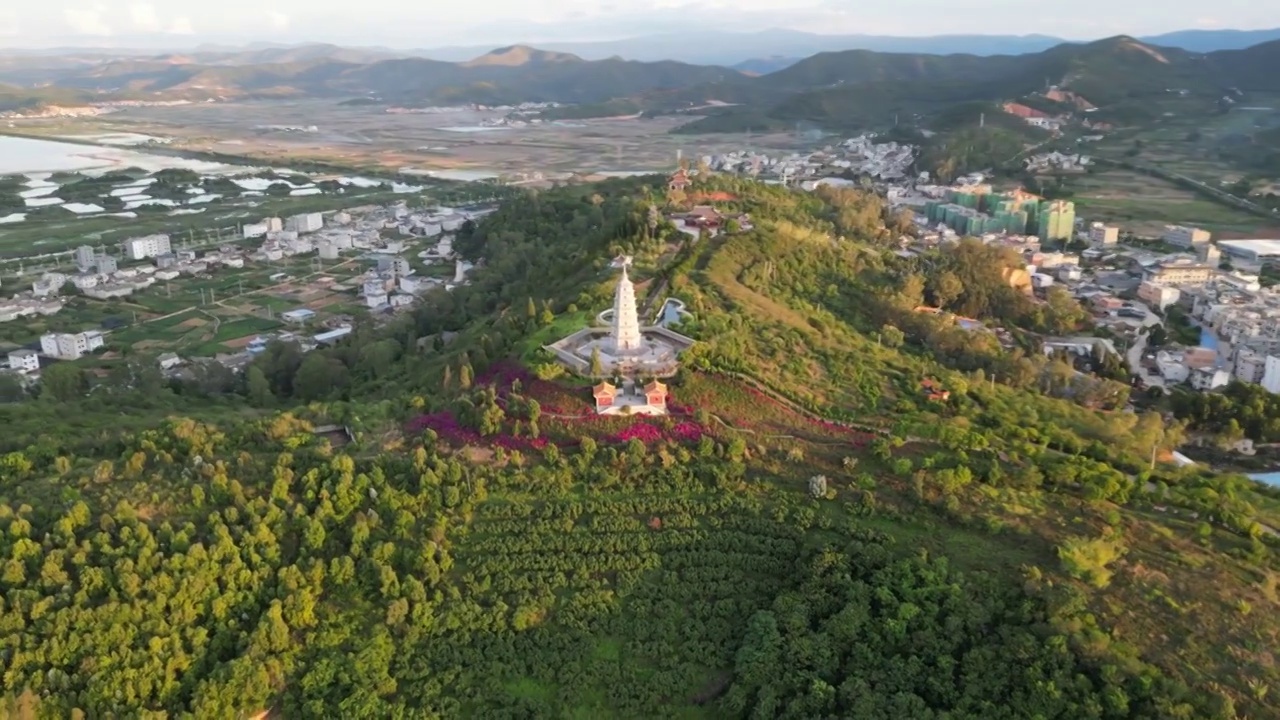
429	521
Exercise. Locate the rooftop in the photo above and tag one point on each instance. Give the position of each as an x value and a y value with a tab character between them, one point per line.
1259	247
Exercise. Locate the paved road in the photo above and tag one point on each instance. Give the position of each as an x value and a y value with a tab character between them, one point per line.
1134	356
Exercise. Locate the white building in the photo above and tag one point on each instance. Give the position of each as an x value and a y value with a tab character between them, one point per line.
70	346
147	246
255	230
305	223
1185	236
375	286
397	266
84	282
1204	379
1070	273
27	361
376	301
327	250
1158	295
1250	367
1102	234
106	264
1172	367
84	258
1271	375
414	285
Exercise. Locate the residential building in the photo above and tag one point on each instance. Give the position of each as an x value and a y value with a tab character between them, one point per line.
1106	303
1181	273
305	223
148	246
1172	368
328	250
297	317
1209	254
1102	234
1250	367
1057	220
397	266
255	230
1205	379
376	301
332	336
1083	346
106	264
1271	375
27	361
1070	273
168	361
70	346
1185	236
84	258
1158	295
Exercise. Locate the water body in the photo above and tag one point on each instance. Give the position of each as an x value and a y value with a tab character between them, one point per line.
25	155
1271	478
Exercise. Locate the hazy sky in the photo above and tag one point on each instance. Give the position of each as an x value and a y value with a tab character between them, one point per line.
420	23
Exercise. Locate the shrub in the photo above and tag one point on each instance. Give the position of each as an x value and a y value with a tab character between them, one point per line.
1087	559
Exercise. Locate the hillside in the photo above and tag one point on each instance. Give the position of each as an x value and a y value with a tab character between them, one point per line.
831	88
807	534
1122	76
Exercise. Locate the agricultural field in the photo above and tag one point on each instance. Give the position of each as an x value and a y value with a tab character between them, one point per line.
1144	205
47	236
445	144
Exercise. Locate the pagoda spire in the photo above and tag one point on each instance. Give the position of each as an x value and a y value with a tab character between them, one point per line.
626	321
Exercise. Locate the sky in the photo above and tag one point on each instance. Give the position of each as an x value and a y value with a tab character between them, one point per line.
428	23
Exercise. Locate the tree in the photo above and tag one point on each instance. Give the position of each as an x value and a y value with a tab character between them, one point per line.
63	382
597	366
318	377
258	387
11	389
891	337
1157	337
946	289
818	487
465	376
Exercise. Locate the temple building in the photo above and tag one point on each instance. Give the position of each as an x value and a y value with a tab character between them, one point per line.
623	350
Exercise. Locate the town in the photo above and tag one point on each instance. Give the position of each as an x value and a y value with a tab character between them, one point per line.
301	279
307	278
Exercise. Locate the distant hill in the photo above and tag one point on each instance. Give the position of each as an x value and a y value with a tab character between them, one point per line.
753	51
520	55
764	66
1119	75
1206	41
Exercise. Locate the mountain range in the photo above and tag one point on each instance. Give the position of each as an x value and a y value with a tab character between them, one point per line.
765	50
1118	75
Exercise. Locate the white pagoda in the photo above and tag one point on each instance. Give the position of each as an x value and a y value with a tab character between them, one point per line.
619	346
626	337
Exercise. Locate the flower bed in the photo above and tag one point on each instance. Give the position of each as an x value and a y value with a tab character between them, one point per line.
566	418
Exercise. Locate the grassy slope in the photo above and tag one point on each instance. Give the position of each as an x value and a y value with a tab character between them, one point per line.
1191	607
